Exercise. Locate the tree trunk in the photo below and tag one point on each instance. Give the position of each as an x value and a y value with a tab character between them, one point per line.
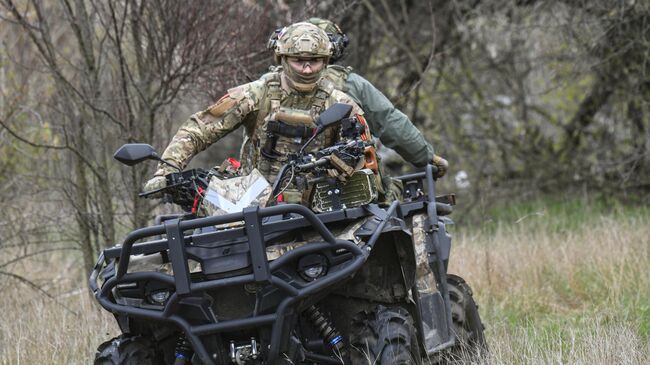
590	105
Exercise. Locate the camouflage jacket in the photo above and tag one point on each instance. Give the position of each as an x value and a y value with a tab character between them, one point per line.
391	126
249	106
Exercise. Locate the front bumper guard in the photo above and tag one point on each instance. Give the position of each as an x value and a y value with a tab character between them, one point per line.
262	273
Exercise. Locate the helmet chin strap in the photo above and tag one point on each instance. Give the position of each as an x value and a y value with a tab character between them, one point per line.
300	82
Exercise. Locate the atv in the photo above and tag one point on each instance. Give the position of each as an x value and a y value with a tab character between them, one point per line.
243	277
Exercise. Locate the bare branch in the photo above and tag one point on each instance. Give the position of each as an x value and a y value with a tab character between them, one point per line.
38	289
26	256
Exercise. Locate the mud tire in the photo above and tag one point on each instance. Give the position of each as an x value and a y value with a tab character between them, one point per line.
470	340
384	336
128	350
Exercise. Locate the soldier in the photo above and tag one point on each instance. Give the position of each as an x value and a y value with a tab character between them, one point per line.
297	92
396	131
391	126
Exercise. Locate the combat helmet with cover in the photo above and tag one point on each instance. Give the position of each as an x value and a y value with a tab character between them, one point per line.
339	39
303	40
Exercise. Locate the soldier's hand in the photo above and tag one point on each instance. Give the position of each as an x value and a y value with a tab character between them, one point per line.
155	183
441	164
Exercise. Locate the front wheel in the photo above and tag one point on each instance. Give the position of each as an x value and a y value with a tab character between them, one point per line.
384	336
467	325
128	350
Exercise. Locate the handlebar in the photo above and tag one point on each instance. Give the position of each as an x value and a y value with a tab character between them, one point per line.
145	194
310	165
326	153
182	187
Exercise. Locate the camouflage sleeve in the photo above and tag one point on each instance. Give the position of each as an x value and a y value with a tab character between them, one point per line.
391	126
341	97
208	126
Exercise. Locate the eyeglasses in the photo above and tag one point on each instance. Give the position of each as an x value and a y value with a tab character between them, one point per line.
304	62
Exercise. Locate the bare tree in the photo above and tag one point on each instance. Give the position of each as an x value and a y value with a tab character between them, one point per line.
116	69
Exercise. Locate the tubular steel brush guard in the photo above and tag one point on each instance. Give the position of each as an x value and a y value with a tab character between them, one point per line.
262	272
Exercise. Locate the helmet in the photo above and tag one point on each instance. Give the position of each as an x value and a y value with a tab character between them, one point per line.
302	40
339	39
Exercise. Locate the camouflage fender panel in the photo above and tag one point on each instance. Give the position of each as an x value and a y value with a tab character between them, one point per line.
274	252
140	263
425	279
346	233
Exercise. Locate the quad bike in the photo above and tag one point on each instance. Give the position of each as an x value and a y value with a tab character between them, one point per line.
250	279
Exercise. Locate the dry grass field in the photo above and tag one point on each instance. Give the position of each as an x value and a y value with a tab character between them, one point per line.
557	283
562	283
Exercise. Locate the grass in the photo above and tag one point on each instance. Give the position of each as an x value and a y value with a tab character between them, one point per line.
561	282
36	329
557	282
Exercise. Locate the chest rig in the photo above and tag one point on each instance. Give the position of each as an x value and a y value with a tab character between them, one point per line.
338	75
285	121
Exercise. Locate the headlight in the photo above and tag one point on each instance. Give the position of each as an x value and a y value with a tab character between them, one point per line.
159	297
314	271
311	267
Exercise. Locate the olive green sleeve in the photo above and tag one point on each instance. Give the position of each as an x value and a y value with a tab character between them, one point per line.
391	126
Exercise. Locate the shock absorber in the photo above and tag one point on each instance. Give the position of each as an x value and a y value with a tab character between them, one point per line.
325	327
184	351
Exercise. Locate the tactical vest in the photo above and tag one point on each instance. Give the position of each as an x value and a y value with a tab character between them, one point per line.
338	75
284	123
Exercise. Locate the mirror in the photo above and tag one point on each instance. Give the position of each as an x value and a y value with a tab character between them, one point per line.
329	117
133	153
333	114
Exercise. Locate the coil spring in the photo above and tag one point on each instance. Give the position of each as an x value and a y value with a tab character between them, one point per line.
325	327
183	348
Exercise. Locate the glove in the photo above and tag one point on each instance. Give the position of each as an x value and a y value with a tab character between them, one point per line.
155	183
441	164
